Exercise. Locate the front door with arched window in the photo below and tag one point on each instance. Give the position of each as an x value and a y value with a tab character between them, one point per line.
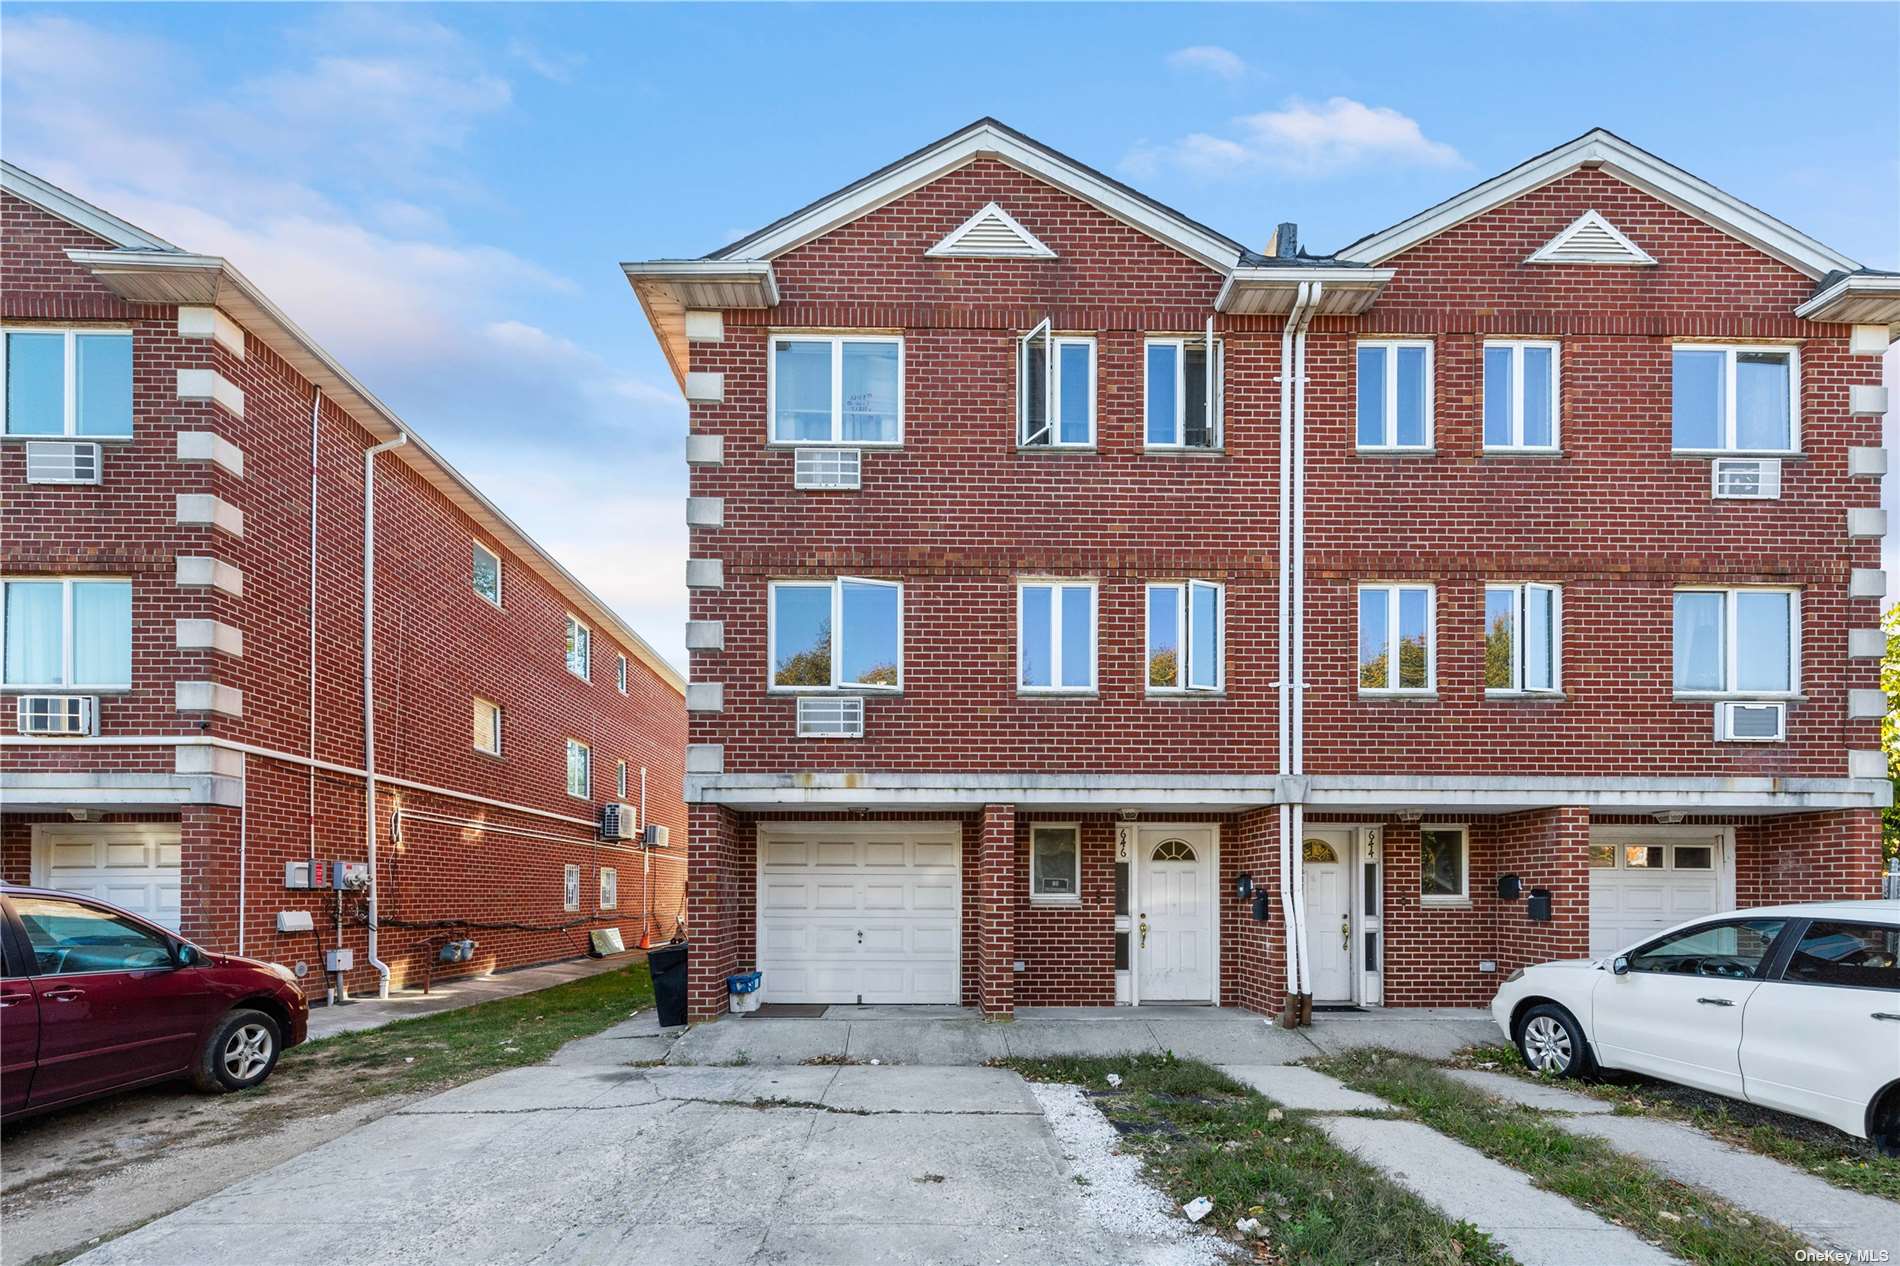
1175	925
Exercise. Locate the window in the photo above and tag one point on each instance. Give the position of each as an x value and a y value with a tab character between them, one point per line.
1738	641
609	887
580	641
1523	639
1859	955
68	939
620	780
1183	385
867	653
580	772
841	389
73	634
1731	951
1396	618
487	726
570	887
1055	864
1055	389
69	382
620	673
487	573
1395	394
1443	864
1186	630
1520	395
1736	399
1055	645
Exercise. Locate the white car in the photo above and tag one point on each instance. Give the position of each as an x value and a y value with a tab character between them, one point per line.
1793	1007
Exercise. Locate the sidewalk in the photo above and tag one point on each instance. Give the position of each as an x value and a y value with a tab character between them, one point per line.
452	995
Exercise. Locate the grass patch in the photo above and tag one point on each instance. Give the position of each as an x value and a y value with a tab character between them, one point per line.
1819	1149
1686	1221
1200	1133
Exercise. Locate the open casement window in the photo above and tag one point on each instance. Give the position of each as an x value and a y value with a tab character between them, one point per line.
1738	642
1055	644
1396	636
1523	639
846	634
1186	632
1184	386
1055	389
1744	399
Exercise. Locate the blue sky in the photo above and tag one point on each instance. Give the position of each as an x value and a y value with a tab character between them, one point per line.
441	194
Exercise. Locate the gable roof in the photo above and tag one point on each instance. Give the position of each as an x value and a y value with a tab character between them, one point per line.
1609	152
76	211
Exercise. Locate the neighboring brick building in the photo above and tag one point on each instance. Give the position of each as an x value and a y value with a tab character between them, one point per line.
1535	536
162	591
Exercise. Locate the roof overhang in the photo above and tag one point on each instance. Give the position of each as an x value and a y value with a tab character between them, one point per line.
1272	291
1856	299
172	277
1611	153
668	288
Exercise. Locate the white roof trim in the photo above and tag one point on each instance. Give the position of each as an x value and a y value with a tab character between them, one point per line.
1872	285
77	211
1689	194
956	243
1559	250
987	140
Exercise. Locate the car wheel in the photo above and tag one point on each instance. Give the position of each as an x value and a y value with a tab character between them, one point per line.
239	1053
1884	1123
1551	1041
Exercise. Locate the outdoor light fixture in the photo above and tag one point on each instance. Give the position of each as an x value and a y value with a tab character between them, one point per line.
1669	817
1243	885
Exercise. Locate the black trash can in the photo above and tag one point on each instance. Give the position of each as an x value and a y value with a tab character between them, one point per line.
667	963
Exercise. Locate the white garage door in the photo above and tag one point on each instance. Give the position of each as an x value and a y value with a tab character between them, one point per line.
1638	887
864	912
134	866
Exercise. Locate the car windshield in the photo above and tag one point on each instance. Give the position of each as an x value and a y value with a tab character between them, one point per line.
67	937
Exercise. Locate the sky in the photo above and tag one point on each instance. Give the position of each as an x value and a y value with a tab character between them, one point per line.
442	195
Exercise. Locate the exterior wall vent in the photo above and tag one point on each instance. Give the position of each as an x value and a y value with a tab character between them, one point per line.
992	233
69	716
1745	478
828	469
62	463
1751	722
1590	240
831	716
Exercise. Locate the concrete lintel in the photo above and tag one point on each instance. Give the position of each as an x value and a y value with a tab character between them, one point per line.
115	792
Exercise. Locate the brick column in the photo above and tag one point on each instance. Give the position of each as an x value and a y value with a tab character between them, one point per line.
719	912
996	913
1545	848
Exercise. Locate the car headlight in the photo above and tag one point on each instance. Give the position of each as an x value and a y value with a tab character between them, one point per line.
283	971
1514	976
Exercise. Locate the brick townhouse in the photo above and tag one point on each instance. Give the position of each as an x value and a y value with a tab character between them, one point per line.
1088	609
203	706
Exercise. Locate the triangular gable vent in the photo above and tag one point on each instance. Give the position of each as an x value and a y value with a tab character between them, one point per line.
1591	240
992	232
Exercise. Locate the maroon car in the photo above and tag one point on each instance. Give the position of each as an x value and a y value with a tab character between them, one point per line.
98	1000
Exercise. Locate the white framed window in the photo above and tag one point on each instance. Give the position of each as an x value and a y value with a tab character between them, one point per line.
1398	630
1187	634
580	770
486	573
836	389
68	382
1055	389
1055	641
1393	388
1738	398
580	643
1444	865
1182	389
1055	864
570	887
1738	642
620	780
1521	395
843	634
65	633
1523	639
487	726
620	673
609	887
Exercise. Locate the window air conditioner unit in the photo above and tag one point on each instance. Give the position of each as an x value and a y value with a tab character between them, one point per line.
1746	478
71	716
655	836
619	822
1751	722
62	463
828	469
831	716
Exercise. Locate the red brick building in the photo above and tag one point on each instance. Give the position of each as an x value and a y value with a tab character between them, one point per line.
1088	609
186	544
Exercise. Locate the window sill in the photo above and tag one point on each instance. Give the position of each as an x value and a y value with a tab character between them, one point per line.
789	444
485	754
1056	450
1730	696
1543	454
1527	696
1400	696
1704	454
1181	450
1057	696
866	692
66	439
1184	696
1073	903
1444	903
65	690
1396	452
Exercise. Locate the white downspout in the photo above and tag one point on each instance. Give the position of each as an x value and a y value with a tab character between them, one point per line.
369	690
1283	716
310	672
244	847
1300	320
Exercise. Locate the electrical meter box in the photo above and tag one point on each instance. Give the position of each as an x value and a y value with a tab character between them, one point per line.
339	959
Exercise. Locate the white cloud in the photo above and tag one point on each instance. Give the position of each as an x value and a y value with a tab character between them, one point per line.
1209	59
1301	139
557	67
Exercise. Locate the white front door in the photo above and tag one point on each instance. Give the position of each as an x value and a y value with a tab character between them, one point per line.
1175	923
1326	856
133	865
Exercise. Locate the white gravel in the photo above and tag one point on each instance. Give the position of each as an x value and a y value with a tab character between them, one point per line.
1116	1197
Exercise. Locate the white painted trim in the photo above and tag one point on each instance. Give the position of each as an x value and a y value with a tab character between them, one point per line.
1143	847
198	509
209	446
835	585
69	402
1213	368
209	635
568	748
77	211
1463	899
1073	898
1520	623
1631	253
951	245
1389	422
1392	589
203	322
577	630
1184	625
1730	422
1876	285
837	342
1517	348
479	546
1723	837
67	671
208	573
1731	664
1056	584
210	386
1052	383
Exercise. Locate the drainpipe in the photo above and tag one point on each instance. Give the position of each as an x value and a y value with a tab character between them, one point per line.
1300	320
369	690
1283	717
310	672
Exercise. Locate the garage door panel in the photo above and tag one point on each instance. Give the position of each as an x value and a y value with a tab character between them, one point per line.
886	853
135	856
934	941
80	854
787	894
135	867
1631	904
936	895
936	854
787	852
836	894
885	894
